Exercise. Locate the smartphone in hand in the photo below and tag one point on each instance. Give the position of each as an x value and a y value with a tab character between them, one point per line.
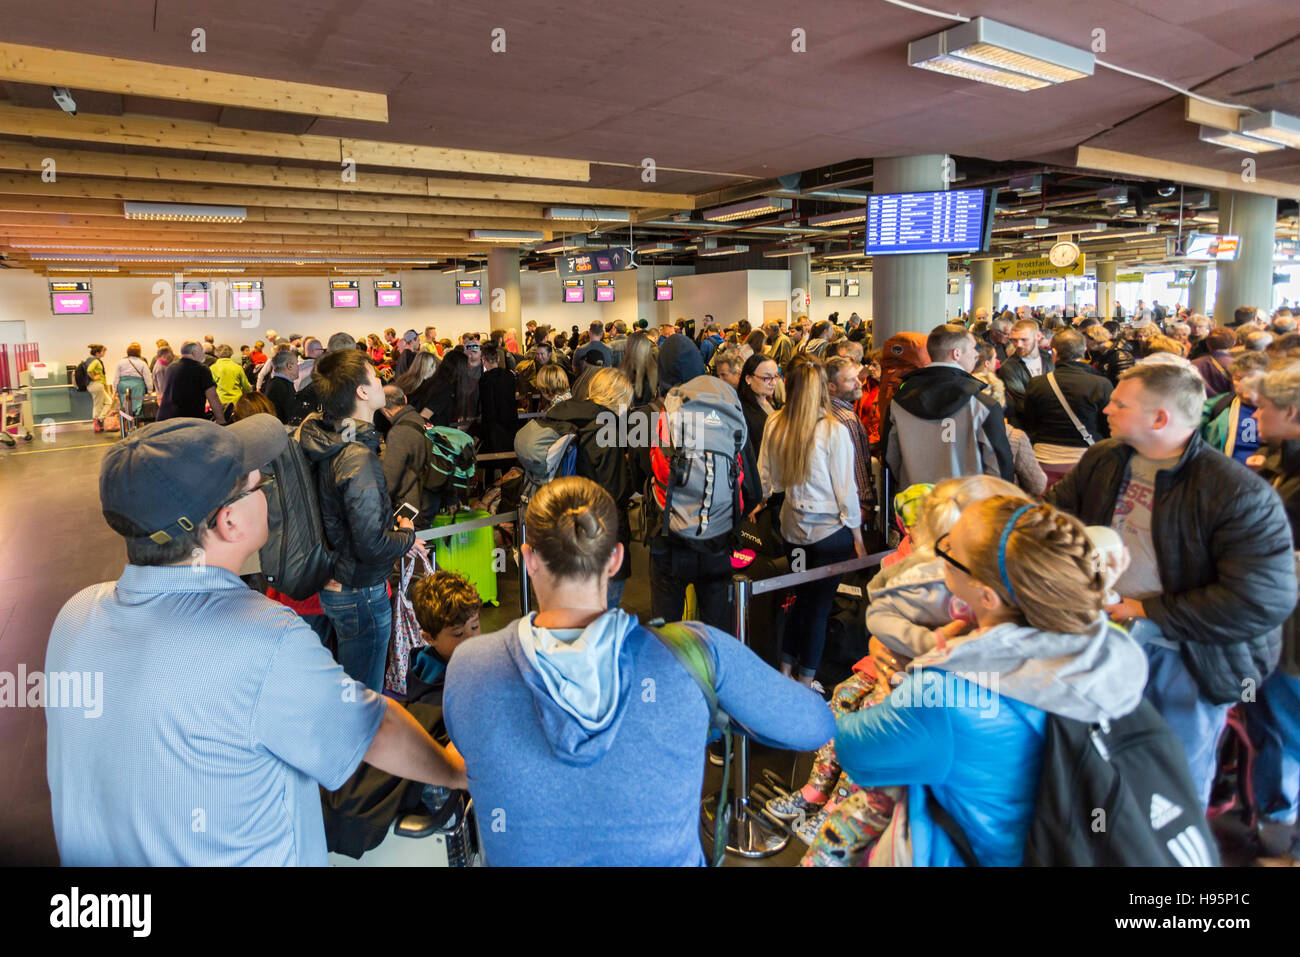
407	511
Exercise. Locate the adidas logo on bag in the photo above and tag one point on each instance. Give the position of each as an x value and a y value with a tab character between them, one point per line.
1163	811
1189	850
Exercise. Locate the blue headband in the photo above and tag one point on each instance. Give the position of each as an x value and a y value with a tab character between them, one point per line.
1002	548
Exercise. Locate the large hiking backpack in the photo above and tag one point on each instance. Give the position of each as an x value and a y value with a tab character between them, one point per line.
81	377
902	353
449	469
547	449
295	559
695	464
1118	794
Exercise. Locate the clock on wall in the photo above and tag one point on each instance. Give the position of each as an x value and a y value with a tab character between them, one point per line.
1064	254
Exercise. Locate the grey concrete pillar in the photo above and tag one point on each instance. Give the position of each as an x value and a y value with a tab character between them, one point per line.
909	293
1197	289
981	280
503	296
1249	280
800	278
1105	289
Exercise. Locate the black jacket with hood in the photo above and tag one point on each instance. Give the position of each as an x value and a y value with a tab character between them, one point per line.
1224	552
943	423
354	503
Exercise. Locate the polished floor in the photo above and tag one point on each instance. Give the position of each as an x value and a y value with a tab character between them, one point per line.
53	543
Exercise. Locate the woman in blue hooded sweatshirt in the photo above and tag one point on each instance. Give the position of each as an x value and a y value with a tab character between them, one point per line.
967	722
583	736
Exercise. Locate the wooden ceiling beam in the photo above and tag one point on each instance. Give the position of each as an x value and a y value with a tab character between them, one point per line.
84	71
20	157
156	133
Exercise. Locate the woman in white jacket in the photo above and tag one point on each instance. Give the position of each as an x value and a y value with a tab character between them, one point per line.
808	454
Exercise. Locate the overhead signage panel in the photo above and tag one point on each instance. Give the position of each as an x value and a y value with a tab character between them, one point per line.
615	259
1012	270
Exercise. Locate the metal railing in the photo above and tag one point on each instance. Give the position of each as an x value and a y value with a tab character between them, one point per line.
471	524
751	835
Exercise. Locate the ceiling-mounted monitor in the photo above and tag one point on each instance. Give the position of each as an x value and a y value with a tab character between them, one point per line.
663	290
469	292
1211	248
834	288
574	290
194	297
852	287
388	293
246	295
345	293
604	290
69	298
941	221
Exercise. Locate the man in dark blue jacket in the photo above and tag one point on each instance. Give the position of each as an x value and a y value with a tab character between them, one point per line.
1212	575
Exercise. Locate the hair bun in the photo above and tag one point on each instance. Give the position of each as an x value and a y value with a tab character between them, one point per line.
585	524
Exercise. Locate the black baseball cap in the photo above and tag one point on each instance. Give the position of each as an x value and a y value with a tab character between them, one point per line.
169	477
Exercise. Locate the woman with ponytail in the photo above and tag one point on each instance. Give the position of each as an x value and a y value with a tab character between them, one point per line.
966	723
590	750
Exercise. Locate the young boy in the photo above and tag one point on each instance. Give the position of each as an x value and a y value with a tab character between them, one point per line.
447	608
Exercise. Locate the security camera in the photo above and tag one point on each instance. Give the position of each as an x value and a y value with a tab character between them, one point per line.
1165	190
63	97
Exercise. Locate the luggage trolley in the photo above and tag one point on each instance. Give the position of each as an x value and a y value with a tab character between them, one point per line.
15	416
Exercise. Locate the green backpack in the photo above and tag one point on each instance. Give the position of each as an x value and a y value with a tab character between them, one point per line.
449	469
690	649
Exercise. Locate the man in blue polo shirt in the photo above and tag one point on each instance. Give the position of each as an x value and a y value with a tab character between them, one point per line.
219	710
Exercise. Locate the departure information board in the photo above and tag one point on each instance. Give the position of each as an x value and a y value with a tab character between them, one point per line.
944	221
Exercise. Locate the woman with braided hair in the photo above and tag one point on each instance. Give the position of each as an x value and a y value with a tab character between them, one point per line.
966	723
592	749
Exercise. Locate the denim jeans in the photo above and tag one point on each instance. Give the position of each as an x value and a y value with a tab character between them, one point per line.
1195	722
1273	720
363	622
805	626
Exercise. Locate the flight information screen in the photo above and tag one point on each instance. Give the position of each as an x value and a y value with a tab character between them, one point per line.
944	221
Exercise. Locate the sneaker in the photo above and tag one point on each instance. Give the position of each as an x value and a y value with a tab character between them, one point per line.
717	753
807	832
792	805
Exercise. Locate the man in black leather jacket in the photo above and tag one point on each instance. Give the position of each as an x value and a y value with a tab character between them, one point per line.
356	512
1016	372
1212	576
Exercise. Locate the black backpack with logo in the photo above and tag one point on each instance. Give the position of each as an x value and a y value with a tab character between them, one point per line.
295	559
1117	794
81	377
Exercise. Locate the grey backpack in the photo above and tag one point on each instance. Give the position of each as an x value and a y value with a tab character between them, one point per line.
547	449
696	462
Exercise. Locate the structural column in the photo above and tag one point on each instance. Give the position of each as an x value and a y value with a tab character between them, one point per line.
1197	289
800	278
1105	289
503	297
909	293
981	282
1249	280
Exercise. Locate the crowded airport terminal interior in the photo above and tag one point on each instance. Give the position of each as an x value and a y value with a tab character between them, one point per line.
765	435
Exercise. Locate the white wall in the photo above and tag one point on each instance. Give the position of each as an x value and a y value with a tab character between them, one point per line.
823	305
124	310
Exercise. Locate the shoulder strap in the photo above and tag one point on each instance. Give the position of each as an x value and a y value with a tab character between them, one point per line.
946	823
1218	365
1079	426
696	657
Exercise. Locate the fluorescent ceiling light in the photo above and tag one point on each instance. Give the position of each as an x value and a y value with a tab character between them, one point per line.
651	249
990	52
1015	225
1272	126
185	212
1145	231
850	254
842	218
596	215
1066	230
1237	141
81	269
723	250
560	245
505	235
787	251
748	209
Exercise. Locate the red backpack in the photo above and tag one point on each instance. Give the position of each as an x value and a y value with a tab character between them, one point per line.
903	353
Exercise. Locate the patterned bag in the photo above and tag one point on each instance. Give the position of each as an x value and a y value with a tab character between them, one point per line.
407	636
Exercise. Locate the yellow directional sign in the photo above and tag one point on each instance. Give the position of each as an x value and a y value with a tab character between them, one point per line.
1010	270
1129	277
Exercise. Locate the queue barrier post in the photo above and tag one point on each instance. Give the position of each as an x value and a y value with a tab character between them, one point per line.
748	835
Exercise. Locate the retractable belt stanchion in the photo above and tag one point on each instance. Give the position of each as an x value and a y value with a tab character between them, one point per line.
523	569
748	834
